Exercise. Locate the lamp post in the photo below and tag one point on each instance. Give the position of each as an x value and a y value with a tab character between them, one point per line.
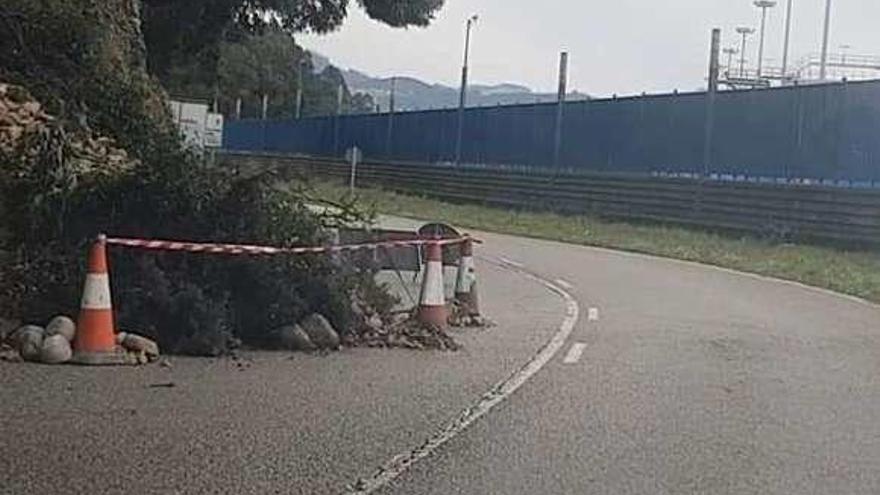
763	5
462	97
823	65
745	32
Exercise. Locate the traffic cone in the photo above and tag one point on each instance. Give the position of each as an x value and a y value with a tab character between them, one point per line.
466	281
95	340
432	301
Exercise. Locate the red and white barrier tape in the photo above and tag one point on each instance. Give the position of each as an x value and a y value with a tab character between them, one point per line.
210	248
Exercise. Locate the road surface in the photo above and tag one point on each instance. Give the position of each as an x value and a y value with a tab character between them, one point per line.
683	379
676	378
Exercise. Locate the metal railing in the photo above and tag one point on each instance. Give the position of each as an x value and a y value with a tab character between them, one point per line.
810	212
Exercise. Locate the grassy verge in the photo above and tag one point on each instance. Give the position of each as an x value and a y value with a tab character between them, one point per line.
849	272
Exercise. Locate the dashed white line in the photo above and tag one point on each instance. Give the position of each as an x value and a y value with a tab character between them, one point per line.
501	391
510	262
565	285
593	314
575	353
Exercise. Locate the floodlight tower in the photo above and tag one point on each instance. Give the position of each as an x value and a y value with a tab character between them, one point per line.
763	5
745	32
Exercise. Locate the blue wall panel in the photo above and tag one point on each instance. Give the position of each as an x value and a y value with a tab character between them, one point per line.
829	131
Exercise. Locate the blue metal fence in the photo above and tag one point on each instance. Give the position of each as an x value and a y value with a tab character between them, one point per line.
829	131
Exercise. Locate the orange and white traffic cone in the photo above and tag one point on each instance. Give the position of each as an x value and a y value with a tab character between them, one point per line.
466	281
95	340
432	301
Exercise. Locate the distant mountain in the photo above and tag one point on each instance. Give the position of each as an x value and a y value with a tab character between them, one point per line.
414	94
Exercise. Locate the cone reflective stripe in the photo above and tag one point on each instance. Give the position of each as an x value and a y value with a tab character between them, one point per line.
466	282
95	340
432	301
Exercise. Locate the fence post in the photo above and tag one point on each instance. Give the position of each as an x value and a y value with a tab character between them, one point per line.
560	105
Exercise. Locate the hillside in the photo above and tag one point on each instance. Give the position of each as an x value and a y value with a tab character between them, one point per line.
415	94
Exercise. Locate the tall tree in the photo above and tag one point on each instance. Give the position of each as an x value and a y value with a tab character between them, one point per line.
187	32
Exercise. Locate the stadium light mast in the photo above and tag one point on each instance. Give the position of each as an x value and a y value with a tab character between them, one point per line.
462	96
763	5
844	49
730	52
745	32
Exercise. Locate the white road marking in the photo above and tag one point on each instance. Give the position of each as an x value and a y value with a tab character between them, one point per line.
562	283
501	391
510	262
593	314
575	353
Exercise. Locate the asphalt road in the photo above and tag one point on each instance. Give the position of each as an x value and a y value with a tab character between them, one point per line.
274	422
678	379
688	380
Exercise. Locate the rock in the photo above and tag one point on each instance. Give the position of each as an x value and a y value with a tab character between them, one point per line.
120	337
55	349
61	325
136	343
28	340
7	328
321	333
294	338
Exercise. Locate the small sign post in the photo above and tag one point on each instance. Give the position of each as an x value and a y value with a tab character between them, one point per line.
354	155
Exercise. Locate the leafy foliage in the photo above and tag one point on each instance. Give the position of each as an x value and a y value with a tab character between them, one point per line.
189	33
270	65
85	58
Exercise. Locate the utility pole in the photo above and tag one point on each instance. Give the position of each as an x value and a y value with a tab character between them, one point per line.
265	105
763	5
462	97
714	69
389	138
823	65
745	32
560	105
238	108
299	88
787	39
337	118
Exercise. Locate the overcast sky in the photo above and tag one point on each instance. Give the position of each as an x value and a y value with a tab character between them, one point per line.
615	46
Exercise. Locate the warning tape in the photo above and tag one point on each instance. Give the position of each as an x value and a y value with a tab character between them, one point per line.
211	248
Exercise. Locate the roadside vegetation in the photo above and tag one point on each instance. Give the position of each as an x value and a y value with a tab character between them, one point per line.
853	272
87	145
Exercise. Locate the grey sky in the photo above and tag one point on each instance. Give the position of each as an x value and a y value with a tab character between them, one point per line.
615	46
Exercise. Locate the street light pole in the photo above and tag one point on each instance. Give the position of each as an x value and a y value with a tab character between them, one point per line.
462	97
823	65
787	39
745	32
763	5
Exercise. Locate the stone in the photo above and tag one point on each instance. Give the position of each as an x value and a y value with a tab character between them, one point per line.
294	338
55	349
320	331
7	328
136	343
61	325
28	341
